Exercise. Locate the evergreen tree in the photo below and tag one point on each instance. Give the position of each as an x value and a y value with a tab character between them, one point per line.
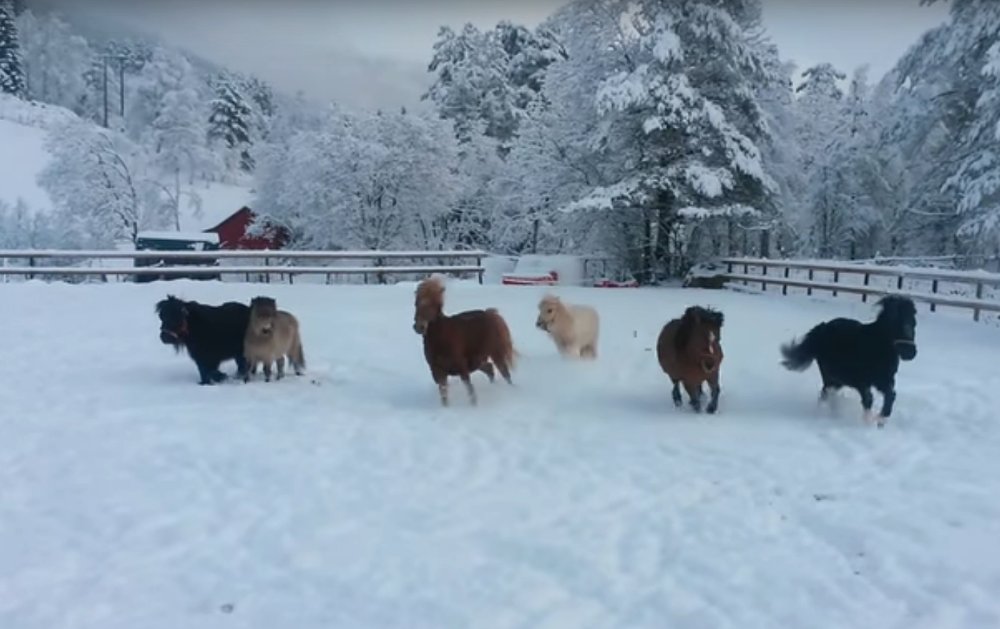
681	117
11	70
230	121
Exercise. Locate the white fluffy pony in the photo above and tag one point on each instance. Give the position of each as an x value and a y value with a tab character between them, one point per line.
573	328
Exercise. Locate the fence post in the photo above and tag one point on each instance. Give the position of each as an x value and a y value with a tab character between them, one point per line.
479	263
31	263
899	282
746	271
763	272
979	295
784	287
836	280
864	296
809	290
934	288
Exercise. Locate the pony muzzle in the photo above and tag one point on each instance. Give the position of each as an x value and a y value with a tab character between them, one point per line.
906	348
169	337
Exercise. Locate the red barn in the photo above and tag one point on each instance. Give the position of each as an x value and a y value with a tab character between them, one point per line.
232	233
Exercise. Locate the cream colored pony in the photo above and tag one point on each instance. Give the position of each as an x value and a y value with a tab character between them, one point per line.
573	328
272	335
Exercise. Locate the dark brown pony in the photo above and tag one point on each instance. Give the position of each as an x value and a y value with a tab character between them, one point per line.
460	344
689	352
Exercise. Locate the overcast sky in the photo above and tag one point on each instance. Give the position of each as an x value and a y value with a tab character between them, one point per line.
374	53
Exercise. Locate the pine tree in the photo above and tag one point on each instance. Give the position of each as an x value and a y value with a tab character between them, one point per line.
230	121
11	71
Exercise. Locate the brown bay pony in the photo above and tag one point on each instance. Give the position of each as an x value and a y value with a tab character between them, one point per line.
689	352
461	344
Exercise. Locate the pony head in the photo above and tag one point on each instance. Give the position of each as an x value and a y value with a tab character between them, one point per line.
699	334
548	310
263	312
899	316
173	314
429	303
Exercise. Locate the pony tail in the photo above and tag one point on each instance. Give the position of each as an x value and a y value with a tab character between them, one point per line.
798	356
506	350
298	354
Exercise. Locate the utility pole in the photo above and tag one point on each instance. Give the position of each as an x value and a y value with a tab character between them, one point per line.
105	66
121	84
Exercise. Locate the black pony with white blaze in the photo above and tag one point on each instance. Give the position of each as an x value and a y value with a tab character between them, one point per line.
860	355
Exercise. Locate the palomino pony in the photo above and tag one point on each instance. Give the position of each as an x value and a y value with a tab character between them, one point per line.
572	327
272	334
689	352
860	355
460	344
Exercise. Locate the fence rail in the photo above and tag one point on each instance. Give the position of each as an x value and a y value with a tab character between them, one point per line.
968	288
272	260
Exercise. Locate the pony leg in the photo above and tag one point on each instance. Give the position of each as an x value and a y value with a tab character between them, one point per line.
251	368
694	392
281	367
487	368
267	371
888	399
441	379
241	366
504	370
588	351
676	394
867	400
713	385
468	387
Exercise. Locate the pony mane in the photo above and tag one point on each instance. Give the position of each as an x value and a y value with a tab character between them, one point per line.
549	298
261	300
896	306
693	316
431	291
163	303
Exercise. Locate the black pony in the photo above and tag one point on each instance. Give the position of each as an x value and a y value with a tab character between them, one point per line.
860	355
211	334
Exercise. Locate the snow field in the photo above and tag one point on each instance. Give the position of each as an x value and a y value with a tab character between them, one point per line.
580	497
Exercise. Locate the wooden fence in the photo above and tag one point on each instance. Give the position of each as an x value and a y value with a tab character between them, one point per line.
970	290
206	264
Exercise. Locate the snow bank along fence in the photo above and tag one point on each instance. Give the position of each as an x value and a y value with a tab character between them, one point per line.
969	290
285	264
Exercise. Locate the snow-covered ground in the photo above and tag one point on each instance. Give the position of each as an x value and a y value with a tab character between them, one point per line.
580	498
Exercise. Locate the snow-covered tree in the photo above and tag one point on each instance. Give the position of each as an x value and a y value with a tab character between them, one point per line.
11	64
490	77
230	122
370	180
55	60
23	228
176	134
678	114
96	180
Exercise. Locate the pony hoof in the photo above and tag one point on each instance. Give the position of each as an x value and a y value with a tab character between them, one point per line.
711	410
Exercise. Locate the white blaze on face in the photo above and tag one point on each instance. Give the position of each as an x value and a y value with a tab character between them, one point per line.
711	342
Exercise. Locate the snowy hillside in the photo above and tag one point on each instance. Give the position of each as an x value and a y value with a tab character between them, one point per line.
577	498
22	157
24	128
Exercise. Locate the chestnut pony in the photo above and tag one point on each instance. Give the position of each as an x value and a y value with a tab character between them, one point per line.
458	345
689	352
